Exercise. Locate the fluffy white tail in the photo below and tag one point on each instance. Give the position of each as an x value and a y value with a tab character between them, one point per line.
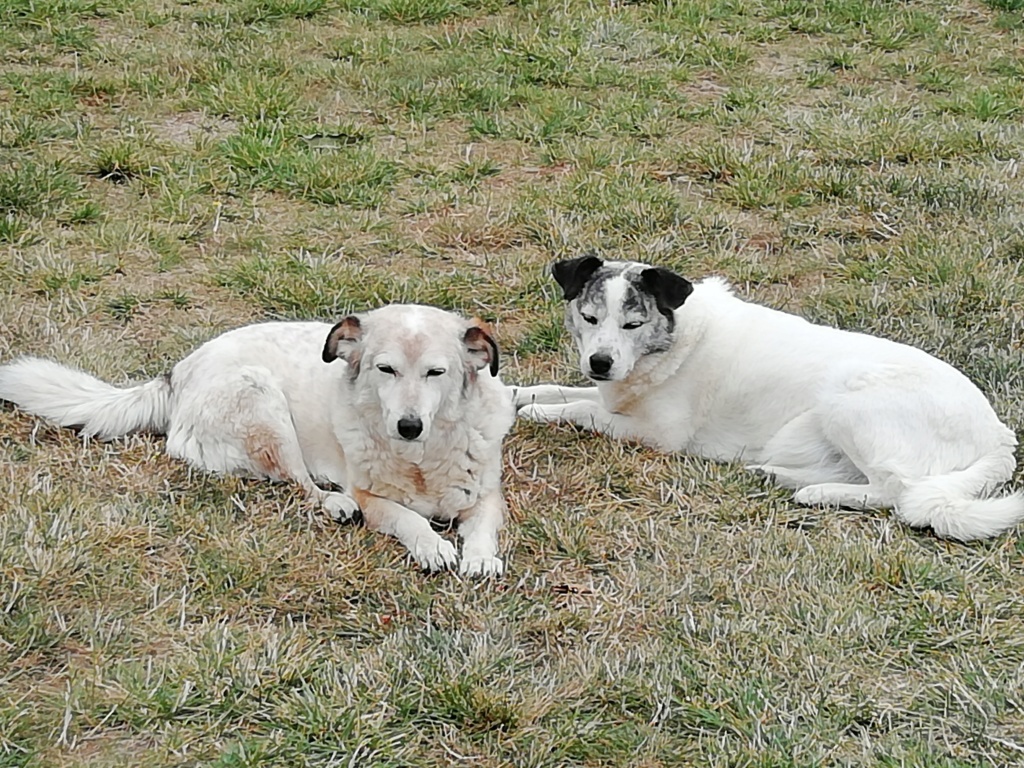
950	503
72	398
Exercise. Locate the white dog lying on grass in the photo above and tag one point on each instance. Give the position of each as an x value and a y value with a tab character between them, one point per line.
844	418
409	420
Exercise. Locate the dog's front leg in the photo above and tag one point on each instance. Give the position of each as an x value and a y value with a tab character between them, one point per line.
478	527
552	394
589	415
430	551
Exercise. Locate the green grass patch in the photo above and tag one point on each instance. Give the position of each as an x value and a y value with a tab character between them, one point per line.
333	175
37	189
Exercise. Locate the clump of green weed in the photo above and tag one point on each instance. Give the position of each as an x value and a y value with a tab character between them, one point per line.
38	189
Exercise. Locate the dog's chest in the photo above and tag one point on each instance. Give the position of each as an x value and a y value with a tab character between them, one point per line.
435	481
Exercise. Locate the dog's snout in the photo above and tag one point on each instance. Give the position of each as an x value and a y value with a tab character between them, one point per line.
410	427
600	363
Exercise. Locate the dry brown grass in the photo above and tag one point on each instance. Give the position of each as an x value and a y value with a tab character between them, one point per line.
171	170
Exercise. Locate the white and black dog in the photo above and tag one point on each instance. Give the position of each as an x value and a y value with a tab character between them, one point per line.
844	418
402	406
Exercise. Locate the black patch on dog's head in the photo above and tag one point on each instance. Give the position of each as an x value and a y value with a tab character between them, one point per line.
573	274
668	289
637	298
639	303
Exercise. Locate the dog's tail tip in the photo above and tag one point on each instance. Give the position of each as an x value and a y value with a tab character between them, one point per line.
963	519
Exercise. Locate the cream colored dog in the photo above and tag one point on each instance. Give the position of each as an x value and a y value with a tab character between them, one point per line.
401	406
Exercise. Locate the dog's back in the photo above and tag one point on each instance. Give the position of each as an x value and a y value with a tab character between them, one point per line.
747	370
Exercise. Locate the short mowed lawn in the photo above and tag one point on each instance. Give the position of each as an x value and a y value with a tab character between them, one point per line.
173	168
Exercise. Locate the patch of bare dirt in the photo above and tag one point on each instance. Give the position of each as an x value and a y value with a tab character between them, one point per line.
184	128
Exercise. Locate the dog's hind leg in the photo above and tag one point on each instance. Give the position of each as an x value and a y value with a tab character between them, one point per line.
799	454
831	469
241	423
868	431
274	450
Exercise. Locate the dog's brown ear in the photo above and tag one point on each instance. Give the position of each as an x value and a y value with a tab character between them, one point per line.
479	341
573	274
343	341
668	289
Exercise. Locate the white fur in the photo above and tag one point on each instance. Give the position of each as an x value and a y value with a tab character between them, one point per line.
843	418
261	401
607	335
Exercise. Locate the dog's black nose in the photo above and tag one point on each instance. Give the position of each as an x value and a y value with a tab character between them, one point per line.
600	364
410	427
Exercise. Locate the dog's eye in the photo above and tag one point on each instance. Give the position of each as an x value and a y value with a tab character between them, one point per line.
589	318
632	326
386	369
435	372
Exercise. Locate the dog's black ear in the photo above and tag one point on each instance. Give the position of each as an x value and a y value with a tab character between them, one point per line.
479	341
343	342
573	274
668	289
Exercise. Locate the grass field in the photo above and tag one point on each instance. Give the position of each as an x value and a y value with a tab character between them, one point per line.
170	169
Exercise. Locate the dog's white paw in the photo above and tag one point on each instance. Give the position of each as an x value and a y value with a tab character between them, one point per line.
480	565
340	506
812	496
435	554
539	413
